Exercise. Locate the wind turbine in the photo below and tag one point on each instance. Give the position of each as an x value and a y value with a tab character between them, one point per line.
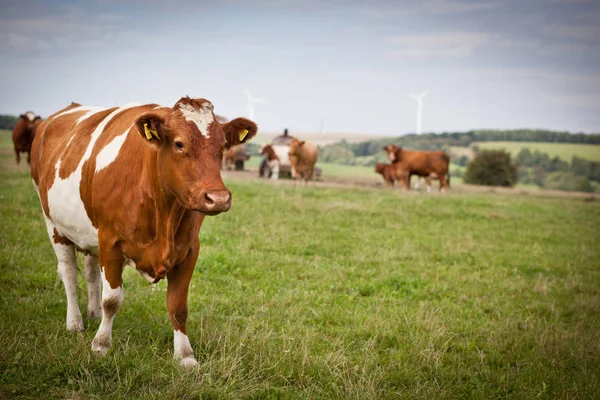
251	101
419	98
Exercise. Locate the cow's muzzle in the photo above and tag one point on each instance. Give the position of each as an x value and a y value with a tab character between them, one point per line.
214	202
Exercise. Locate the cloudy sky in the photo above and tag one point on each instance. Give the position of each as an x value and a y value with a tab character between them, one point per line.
351	64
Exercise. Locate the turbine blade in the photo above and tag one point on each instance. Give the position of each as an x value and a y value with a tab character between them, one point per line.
258	100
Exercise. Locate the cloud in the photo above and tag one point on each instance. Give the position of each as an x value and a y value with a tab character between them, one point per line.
578	32
438	44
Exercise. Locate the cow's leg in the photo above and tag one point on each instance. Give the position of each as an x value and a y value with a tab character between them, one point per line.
177	295
94	284
428	183
111	269
443	184
67	270
274	169
418	184
19	160
29	157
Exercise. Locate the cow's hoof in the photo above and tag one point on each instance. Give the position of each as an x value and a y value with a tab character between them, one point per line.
188	362
101	345
75	325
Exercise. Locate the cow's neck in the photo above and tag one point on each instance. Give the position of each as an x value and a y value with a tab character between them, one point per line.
167	214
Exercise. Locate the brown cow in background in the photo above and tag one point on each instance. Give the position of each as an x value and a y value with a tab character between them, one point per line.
391	173
23	134
429	164
303	157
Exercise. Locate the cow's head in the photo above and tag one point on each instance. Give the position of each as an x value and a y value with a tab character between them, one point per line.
295	147
380	167
189	142
28	119
394	152
267	150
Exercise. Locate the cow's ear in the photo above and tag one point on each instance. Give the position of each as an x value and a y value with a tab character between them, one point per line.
385	148
301	143
239	130
151	127
24	117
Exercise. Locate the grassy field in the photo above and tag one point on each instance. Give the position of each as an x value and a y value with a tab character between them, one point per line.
312	292
564	151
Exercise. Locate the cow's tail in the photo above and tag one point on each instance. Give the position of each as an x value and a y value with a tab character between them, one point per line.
448	177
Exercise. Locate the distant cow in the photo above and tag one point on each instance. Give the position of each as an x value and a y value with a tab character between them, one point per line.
23	134
131	186
303	157
429	164
391	173
229	156
272	160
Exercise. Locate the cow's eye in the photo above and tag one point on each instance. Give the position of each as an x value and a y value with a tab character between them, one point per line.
178	145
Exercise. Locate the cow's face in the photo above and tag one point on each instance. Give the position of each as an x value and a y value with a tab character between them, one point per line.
189	143
394	152
295	147
29	119
379	168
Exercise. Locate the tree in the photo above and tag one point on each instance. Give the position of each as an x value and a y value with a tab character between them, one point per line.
491	168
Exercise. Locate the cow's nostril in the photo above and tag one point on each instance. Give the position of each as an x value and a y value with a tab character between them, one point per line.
209	199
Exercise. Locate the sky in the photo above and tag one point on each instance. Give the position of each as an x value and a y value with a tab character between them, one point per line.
337	65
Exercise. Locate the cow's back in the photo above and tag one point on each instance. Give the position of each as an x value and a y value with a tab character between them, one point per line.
63	165
424	163
310	154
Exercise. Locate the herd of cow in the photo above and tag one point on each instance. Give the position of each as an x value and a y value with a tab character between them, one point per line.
131	186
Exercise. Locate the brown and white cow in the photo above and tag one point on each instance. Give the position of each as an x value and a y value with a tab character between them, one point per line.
429	164
23	134
131	186
303	157
272	160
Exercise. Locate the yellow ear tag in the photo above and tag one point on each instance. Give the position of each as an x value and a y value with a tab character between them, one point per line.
243	134
149	132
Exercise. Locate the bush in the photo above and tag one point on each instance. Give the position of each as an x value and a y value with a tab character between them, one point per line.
491	168
561	180
338	153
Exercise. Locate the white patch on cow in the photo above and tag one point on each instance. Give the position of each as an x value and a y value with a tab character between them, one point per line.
182	349
89	114
30	116
103	339
282	152
79	109
129	262
68	212
64	200
202	118
110	152
274	166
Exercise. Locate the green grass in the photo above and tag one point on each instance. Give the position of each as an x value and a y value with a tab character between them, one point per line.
314	292
564	151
